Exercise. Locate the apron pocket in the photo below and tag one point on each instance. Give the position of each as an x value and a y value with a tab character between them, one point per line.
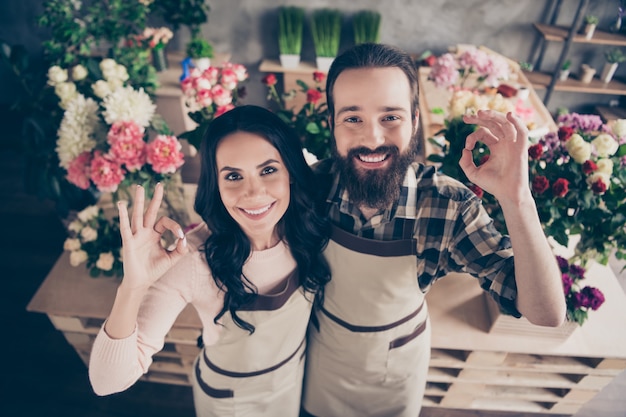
408	354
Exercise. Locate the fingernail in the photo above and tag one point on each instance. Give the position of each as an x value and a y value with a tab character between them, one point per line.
181	234
185	241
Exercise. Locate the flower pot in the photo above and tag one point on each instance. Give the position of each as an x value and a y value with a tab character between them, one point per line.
159	60
289	60
201	63
564	75
324	62
589	30
587	73
608	71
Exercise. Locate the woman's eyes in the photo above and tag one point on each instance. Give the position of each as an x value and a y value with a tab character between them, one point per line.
355	119
235	176
268	170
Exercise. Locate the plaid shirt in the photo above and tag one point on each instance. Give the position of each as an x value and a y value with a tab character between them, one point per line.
452	230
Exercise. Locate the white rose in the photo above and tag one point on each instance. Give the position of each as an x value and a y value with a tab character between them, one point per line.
78	257
105	261
121	73
89	234
578	148
65	91
56	75
71	244
101	88
107	63
619	128
110	73
459	102
605	166
79	73
88	213
605	145
75	226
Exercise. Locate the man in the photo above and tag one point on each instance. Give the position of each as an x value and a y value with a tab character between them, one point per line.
399	226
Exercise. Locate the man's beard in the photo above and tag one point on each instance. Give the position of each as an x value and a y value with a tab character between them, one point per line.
375	188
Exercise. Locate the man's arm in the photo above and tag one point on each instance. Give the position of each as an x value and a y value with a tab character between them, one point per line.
505	175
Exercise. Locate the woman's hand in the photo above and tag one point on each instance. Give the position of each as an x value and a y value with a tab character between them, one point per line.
145	259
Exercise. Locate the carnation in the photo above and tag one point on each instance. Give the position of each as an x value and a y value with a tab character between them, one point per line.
106	174
79	171
164	154
105	261
127	104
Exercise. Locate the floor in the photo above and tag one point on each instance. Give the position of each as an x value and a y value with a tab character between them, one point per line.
43	376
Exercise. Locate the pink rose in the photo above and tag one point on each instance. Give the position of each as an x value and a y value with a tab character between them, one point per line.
164	154
130	152
106	174
241	72
78	170
204	98
211	74
221	96
223	109
229	79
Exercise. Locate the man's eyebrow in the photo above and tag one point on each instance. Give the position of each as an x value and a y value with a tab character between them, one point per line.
347	109
381	109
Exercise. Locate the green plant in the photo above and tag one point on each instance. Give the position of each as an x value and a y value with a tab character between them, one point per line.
526	66
290	27
614	55
199	48
366	26
190	13
326	30
591	19
566	65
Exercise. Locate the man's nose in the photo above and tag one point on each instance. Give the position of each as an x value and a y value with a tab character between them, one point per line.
373	136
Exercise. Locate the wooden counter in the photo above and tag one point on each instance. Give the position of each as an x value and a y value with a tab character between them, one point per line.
470	367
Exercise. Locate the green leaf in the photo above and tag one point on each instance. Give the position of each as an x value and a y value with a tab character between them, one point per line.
437	110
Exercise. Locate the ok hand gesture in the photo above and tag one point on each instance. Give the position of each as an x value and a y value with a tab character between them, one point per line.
145	259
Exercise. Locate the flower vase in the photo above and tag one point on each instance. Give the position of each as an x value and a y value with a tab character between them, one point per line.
289	60
563	75
159	60
586	74
201	63
324	62
608	71
589	30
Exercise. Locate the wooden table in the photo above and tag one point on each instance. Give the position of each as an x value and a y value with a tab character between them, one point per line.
470	367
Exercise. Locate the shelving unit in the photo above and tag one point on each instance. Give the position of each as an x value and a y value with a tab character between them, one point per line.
568	35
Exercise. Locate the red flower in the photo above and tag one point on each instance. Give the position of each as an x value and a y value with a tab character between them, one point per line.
535	151
269	80
318	76
313	95
589	166
477	190
560	187
599	187
430	60
540	184
565	132
483	159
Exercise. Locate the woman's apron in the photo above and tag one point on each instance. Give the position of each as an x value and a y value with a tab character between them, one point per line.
369	345
257	374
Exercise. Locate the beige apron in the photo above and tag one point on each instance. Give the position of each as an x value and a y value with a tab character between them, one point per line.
364	356
259	374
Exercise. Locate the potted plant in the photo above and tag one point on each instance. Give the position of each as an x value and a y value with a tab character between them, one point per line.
591	22
366	26
613	58
290	26
200	51
326	30
586	73
565	68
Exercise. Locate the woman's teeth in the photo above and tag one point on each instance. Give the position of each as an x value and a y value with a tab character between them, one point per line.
258	211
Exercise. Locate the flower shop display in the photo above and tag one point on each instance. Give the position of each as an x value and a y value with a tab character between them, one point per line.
290	31
104	142
156	39
210	93
580	298
366	26
310	121
326	31
200	51
95	240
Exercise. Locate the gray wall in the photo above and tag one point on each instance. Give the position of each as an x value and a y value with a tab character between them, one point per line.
247	29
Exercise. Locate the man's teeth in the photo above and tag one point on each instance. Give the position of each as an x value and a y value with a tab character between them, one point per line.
372	157
258	211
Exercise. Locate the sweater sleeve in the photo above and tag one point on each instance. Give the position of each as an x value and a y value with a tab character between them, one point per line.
116	364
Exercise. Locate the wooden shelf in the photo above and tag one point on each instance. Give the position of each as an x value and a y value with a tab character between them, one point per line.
273	65
560	33
541	80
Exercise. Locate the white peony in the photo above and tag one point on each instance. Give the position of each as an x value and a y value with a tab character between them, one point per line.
71	244
578	148
605	166
77	130
77	257
56	75
619	128
605	145
88	213
89	234
101	88
79	73
105	261
126	104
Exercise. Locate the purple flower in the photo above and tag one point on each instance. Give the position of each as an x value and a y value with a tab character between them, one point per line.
567	283
563	264
582	122
594	297
577	270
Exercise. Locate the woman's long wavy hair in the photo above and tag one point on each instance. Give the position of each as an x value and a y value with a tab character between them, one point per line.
303	226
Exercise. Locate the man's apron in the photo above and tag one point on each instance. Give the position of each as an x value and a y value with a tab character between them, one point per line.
257	374
369	347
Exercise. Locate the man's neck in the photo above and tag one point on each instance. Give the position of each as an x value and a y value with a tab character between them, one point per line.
368	212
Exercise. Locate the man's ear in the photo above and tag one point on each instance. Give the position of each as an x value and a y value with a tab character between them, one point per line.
416	122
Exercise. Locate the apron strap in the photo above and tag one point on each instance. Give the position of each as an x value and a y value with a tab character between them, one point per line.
383	248
370	329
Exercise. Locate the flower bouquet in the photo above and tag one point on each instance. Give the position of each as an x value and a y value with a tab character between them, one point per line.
311	121
579	299
211	93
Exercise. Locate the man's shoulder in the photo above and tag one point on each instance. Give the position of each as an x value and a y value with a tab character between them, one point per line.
431	180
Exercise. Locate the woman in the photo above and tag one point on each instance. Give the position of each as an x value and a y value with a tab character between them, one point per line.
251	270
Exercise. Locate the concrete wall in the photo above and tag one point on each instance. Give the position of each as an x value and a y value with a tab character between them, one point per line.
248	30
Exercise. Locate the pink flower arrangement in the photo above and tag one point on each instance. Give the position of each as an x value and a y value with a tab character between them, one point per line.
450	70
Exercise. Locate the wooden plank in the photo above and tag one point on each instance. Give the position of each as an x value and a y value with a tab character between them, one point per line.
600	37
